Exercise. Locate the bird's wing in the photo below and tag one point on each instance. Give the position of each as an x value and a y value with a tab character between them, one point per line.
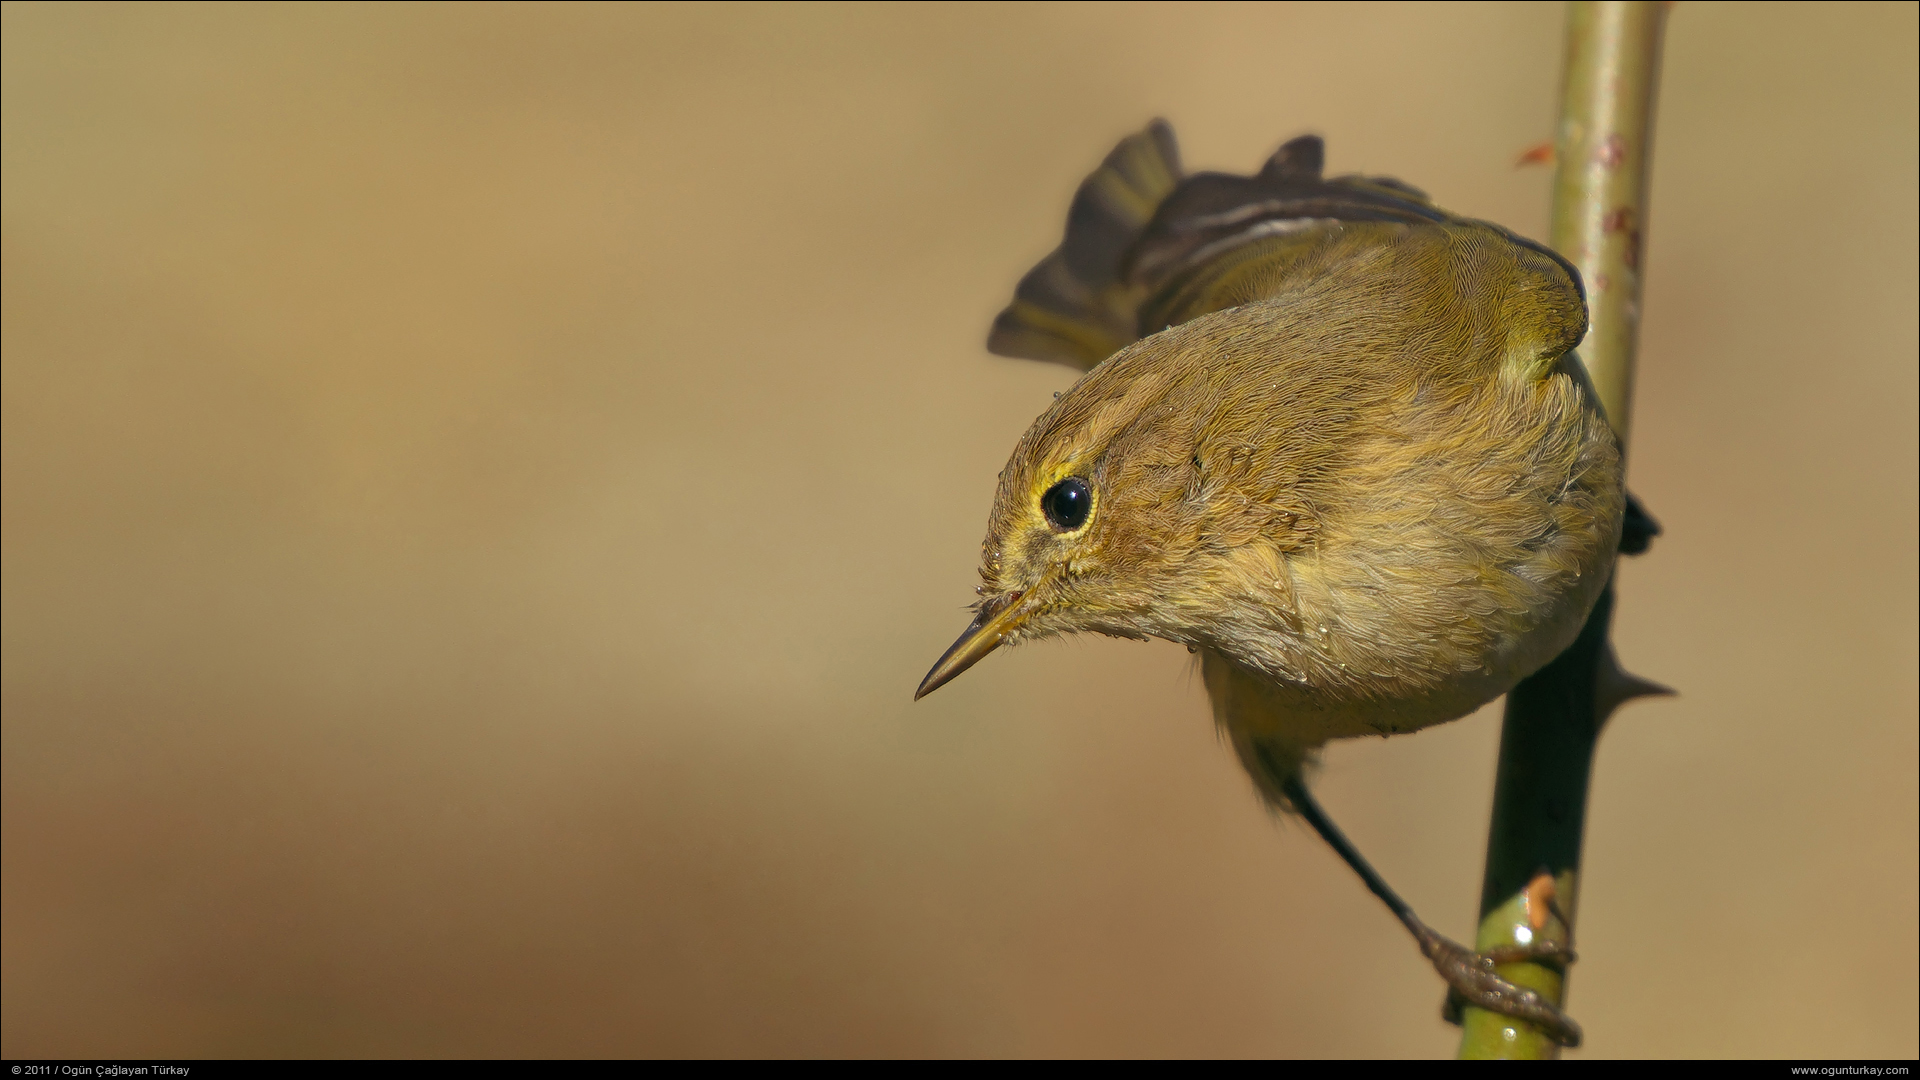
1216	221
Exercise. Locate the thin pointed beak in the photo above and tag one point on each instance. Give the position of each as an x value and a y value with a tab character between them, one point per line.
982	636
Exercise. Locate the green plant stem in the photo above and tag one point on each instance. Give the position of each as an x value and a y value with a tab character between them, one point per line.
1553	718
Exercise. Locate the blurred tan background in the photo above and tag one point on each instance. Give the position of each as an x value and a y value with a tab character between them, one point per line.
482	483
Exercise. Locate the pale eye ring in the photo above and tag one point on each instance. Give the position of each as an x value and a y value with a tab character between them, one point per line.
1067	504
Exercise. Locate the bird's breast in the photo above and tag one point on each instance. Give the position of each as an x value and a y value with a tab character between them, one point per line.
1454	555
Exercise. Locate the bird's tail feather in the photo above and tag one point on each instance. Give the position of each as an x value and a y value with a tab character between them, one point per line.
1075	307
1140	230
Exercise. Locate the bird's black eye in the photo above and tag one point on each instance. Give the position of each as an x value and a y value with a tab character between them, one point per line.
1067	503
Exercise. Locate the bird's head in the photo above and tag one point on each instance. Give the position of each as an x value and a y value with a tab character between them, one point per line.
1108	515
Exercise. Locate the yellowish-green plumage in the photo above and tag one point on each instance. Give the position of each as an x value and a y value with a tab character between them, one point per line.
1359	470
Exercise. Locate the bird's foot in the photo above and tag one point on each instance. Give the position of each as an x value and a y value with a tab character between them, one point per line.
1472	980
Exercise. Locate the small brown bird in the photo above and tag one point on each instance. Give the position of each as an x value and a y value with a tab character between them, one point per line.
1331	438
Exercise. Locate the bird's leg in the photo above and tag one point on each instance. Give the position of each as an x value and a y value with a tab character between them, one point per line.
1469	975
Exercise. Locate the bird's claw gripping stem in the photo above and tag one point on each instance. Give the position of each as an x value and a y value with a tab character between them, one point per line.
1470	976
1472	980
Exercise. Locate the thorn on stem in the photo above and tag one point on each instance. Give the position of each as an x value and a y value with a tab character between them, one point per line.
1614	687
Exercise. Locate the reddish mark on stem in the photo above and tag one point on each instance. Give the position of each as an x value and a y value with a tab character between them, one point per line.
1622	220
1538	897
1613	151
